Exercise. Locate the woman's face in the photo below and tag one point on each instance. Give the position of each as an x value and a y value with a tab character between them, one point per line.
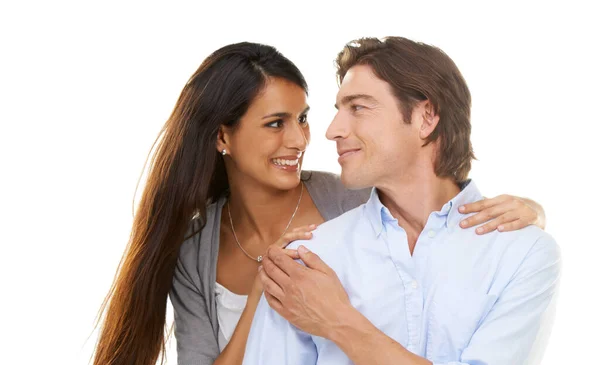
267	145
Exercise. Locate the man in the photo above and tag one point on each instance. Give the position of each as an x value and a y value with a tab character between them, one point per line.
395	281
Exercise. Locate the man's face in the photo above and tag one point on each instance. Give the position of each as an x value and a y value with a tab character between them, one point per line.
375	145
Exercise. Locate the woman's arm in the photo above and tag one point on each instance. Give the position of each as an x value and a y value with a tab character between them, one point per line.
233	353
505	213
196	342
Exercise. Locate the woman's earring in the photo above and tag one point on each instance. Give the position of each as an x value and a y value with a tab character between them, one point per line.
224	152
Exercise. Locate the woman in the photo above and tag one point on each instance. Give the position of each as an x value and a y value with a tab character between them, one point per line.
225	183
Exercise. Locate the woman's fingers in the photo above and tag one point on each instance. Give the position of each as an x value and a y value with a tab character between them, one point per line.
300	233
486	215
504	212
482	204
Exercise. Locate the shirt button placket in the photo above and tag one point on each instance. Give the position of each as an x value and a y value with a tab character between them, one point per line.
413	305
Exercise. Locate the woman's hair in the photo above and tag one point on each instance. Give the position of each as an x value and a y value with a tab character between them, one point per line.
186	173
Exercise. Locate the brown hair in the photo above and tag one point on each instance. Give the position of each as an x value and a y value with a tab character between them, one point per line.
417	72
186	173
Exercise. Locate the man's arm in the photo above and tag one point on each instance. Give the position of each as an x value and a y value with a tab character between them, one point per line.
505	336
312	298
509	331
273	340
364	344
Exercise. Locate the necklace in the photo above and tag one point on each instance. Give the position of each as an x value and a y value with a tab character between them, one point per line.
260	258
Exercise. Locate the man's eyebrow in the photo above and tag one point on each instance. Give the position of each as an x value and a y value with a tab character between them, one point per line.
348	98
284	115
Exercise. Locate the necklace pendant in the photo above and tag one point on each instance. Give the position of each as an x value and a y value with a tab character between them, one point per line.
259	259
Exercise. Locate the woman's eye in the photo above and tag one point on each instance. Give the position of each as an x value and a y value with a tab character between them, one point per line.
275	124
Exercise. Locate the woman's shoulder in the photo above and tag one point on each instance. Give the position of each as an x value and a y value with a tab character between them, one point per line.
316	177
330	195
324	185
199	238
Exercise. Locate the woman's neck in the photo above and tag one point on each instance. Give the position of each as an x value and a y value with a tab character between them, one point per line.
261	215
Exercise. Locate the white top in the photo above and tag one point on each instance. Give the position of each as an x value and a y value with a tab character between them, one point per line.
229	310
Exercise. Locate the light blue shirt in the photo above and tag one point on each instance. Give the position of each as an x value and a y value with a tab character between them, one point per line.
460	298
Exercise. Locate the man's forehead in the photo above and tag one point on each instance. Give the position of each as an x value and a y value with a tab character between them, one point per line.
358	74
360	80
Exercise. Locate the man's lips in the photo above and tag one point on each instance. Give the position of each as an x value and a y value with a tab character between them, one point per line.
347	152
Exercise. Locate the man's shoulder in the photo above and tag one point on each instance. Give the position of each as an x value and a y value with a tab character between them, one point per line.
530	238
526	250
544	247
329	235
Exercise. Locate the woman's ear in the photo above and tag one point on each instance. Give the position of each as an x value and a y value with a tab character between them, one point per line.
222	140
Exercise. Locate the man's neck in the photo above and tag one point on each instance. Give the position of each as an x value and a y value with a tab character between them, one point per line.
412	199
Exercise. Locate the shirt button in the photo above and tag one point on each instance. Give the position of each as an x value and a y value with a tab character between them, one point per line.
431	234
415	284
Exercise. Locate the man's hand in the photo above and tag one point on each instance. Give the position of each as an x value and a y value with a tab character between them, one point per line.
310	297
300	233
313	299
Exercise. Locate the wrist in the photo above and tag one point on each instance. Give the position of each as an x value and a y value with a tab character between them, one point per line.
351	324
254	298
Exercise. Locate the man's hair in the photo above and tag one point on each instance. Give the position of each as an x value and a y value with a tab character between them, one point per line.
417	72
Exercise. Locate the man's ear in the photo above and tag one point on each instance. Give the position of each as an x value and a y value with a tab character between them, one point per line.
429	119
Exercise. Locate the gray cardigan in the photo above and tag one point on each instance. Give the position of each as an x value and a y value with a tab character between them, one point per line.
193	292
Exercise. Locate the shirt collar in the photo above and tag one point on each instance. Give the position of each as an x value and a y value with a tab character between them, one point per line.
377	213
469	193
375	210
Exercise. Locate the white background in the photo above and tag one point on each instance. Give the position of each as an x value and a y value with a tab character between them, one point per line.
84	90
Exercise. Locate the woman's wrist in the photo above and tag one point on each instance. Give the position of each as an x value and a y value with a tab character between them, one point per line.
254	298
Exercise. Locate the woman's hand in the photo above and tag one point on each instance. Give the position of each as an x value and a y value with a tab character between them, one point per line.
504	212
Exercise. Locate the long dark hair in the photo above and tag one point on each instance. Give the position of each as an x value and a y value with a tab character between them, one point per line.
185	174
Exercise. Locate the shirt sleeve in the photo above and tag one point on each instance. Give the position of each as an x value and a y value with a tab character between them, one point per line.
196	342
510	332
273	340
